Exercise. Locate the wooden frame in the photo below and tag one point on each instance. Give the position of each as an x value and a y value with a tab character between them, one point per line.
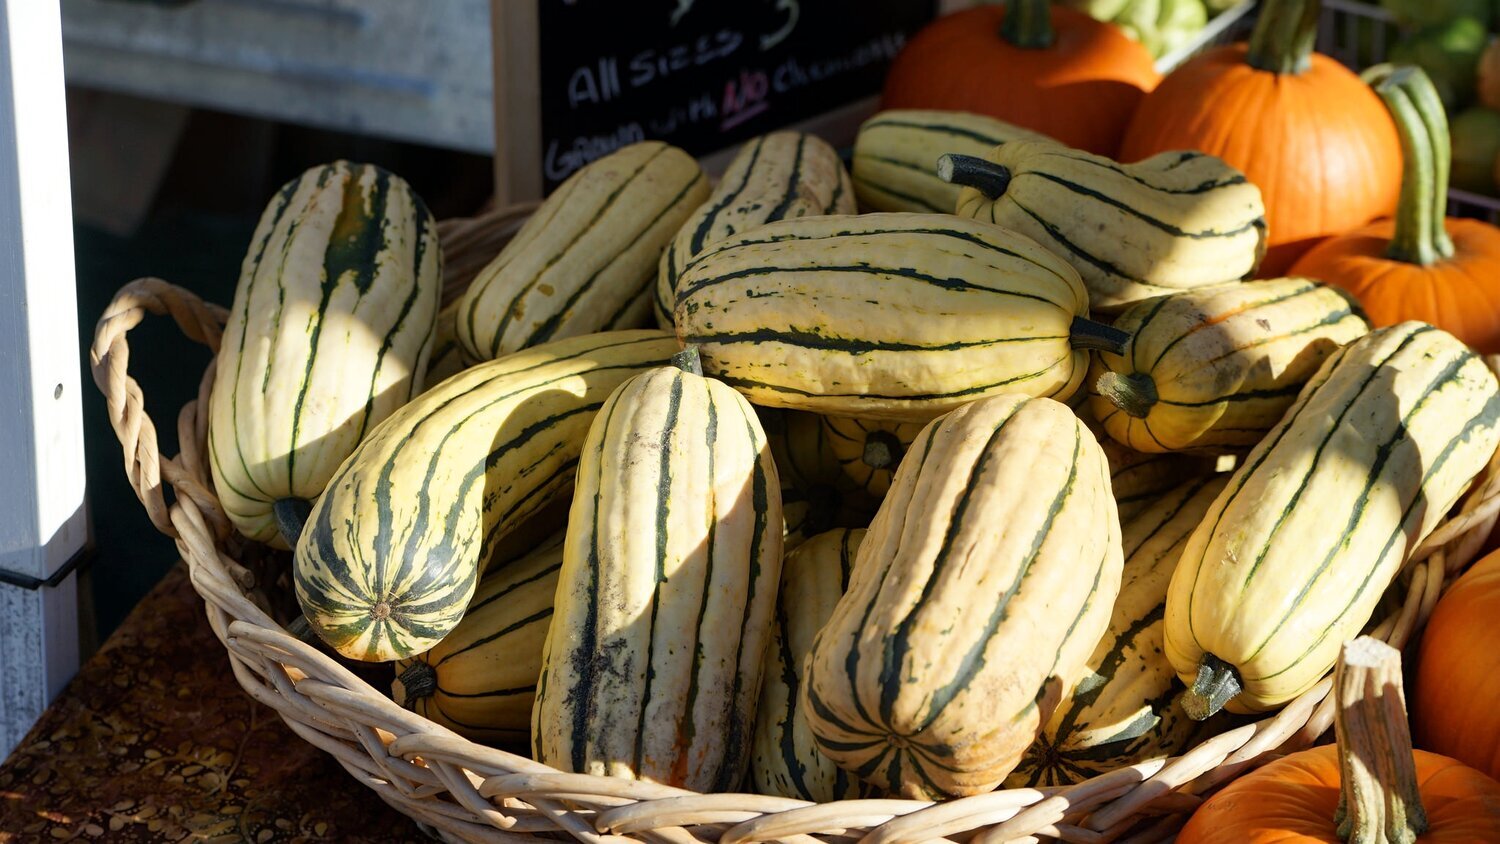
43	523
518	130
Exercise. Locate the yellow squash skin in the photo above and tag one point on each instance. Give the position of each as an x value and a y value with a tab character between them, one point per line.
869	451
1138	479
586	260
774	177
329	334
1174	221
911	685
480	681
447	353
896	153
1295	553
885	316
1211	370
391	554
668	588
1124	707
785	761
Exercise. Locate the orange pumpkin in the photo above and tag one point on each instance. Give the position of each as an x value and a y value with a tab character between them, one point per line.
1420	265
1055	70
1458	672
1312	136
1392	793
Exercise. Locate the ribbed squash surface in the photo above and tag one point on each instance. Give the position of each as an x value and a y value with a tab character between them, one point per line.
774	177
885	316
1214	369
393	550
1124	708
896	153
586	260
1174	221
329	334
1296	552
912	684
786	760
665	600
480	681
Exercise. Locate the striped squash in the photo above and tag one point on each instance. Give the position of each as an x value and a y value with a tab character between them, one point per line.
1295	553
785	761
1213	369
392	551
1124	707
329	334
887	316
447	353
480	681
586	259
668	586
1138	478
913	686
869	451
774	177
896	153
1173	221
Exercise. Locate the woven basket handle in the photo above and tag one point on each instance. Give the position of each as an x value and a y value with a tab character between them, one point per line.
109	358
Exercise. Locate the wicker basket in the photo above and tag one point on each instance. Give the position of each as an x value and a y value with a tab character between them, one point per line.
467	792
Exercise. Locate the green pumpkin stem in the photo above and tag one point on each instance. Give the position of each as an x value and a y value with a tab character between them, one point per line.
1028	24
1284	35
1421	231
1379	799
1216	684
291	516
1087	334
971	171
419	680
1134	393
688	361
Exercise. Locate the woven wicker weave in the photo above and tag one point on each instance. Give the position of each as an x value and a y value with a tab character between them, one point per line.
468	792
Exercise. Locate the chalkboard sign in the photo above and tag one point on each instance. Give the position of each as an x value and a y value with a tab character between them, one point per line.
703	74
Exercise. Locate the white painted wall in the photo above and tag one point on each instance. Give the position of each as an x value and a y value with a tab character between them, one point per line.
42	517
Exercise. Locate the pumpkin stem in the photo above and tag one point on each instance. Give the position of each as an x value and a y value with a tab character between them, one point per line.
291	516
1216	684
419	680
1087	334
1028	24
688	361
1421	233
1379	801
882	450
1285	32
971	171
1134	393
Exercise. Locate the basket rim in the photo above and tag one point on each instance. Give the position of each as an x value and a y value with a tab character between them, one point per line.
471	792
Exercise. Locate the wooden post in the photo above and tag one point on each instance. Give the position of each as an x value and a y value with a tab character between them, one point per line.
43	524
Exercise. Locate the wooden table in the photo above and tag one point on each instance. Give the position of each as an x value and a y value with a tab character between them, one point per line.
154	741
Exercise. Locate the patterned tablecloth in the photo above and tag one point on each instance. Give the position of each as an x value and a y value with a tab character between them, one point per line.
154	741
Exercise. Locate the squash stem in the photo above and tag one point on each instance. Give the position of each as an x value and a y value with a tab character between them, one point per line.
1028	24
1379	800
1284	35
971	171
1087	334
291	516
419	680
1421	231
1134	393
1216	684
882	450
688	361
